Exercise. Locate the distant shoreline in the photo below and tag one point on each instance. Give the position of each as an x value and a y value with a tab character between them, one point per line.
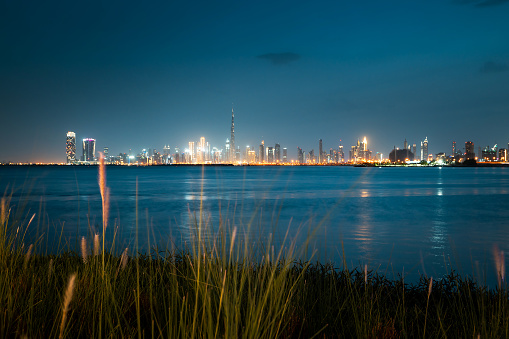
480	164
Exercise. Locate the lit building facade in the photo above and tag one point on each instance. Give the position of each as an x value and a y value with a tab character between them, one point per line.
489	154
502	154
424	149
261	153
320	151
70	147
469	150
232	141
88	149
270	155
277	153
300	155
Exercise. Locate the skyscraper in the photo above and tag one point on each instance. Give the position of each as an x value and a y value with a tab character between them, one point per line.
285	155
300	155
270	154
232	140
424	149
227	153
166	154
341	154
70	147
469	150
192	152
88	149
200	152
320	151
502	154
261	152
277	153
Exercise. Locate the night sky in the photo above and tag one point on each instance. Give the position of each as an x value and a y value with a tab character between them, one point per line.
136	75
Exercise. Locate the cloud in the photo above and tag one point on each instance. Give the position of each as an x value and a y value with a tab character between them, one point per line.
494	67
481	3
280	58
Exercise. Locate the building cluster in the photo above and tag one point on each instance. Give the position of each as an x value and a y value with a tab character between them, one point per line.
488	154
201	152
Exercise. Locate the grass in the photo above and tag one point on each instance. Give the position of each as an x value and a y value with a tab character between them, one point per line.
222	286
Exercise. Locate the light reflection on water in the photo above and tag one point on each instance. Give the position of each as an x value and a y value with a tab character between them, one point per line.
420	219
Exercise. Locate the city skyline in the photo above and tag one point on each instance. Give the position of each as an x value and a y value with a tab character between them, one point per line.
135	75
202	152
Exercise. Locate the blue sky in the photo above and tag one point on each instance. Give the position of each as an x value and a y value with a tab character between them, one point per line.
141	75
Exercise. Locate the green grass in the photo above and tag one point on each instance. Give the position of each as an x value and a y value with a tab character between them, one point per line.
215	289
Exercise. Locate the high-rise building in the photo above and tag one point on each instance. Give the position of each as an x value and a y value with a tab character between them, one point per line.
207	151
261	153
341	154
489	154
270	154
469	150
250	156
166	154
88	149
365	153
70	147
312	159
176	157
285	155
502	154
414	149
232	141
227	153
192	152
106	151
320	151
277	153
424	149
200	151
300	155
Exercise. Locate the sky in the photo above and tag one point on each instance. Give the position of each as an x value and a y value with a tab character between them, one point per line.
136	75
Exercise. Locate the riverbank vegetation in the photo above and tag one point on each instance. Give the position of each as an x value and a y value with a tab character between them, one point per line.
221	284
222	291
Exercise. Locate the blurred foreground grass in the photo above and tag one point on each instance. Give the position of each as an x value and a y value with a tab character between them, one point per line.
223	291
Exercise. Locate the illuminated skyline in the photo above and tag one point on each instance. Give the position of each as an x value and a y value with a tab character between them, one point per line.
202	152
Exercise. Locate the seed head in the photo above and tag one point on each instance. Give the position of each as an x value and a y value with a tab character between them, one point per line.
84	250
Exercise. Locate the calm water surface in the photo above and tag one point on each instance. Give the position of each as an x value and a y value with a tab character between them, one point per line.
412	220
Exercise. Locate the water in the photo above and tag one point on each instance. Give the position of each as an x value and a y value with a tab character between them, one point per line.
411	220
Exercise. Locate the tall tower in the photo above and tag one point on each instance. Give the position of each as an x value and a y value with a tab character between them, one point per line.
320	151
277	153
227	153
232	140
88	149
425	149
70	147
261	153
270	154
